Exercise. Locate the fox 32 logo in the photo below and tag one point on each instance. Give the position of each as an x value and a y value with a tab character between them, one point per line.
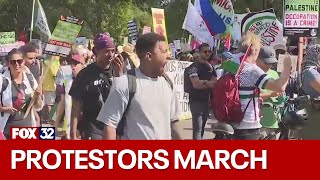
33	133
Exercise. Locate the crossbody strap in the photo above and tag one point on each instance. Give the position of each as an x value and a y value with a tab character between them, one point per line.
242	61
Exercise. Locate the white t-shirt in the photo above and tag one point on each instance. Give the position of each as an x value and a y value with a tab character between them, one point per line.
152	108
250	78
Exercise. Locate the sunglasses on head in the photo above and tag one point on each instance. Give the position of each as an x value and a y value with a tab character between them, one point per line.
14	62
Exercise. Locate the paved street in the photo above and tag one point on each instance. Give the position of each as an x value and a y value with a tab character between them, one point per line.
187	129
186	125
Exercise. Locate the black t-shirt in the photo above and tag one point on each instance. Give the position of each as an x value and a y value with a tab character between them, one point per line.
91	86
205	72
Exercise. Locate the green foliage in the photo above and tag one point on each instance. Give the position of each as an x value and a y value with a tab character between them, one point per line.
112	15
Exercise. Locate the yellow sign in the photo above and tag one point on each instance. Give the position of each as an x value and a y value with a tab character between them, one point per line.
159	25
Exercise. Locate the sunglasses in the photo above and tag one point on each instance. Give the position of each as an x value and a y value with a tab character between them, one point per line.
14	62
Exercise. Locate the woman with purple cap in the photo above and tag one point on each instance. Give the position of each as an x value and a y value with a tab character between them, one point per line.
91	88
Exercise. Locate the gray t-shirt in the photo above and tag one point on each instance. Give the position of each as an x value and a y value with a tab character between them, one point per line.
308	76
152	107
36	70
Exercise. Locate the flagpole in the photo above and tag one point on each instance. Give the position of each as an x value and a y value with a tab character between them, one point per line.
31	28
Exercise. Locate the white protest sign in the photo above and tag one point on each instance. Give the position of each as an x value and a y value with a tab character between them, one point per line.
175	70
294	60
82	41
5	48
301	14
265	25
177	44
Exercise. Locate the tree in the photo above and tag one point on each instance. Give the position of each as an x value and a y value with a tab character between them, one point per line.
111	15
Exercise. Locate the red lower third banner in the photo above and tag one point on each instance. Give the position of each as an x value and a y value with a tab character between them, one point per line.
159	159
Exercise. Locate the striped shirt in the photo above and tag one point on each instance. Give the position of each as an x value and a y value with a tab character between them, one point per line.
251	78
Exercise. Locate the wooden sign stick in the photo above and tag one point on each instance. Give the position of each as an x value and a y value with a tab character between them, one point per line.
40	85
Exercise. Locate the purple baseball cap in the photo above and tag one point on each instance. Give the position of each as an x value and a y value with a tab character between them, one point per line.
103	40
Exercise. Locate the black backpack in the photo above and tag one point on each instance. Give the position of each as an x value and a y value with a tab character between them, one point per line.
132	84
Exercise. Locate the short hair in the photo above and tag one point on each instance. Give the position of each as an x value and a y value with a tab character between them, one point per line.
248	39
203	45
30	47
12	52
147	43
211	57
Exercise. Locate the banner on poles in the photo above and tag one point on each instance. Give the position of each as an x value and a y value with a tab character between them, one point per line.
175	70
301	18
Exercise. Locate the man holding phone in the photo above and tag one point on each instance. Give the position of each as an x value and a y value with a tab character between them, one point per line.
91	88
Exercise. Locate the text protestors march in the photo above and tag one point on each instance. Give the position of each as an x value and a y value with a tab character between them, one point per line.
165	159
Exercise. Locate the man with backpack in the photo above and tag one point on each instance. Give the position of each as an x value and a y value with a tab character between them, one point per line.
236	101
199	79
142	103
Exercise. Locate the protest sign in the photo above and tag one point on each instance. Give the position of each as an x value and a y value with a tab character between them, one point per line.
159	24
7	37
63	36
146	29
133	31
177	44
5	48
301	18
294	60
175	70
265	25
82	41
125	40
